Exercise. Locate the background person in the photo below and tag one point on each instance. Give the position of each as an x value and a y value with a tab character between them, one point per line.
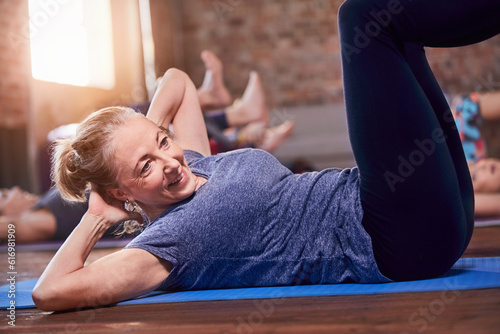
470	111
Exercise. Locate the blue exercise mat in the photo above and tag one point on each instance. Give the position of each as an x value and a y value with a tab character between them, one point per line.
467	273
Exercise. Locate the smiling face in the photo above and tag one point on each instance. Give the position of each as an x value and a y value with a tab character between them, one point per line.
152	170
486	176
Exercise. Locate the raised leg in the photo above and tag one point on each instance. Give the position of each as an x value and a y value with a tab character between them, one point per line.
415	188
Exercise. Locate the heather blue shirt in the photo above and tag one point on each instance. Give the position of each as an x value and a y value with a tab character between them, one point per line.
254	223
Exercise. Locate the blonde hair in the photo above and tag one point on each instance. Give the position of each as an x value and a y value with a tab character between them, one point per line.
88	157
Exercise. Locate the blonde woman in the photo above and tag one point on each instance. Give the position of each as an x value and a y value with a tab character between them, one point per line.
241	219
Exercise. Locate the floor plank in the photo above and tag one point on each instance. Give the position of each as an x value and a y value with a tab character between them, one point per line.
485	242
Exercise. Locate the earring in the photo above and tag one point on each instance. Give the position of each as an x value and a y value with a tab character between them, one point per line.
145	218
130	207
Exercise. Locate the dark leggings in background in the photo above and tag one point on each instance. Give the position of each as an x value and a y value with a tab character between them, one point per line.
67	214
415	186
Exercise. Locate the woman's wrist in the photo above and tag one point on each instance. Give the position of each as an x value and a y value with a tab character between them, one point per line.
98	225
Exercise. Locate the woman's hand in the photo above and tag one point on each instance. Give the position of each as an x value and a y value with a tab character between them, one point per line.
67	283
109	209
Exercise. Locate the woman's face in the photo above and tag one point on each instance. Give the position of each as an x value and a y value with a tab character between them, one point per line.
151	167
486	176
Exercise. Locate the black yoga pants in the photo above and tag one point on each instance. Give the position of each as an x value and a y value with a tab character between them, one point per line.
415	186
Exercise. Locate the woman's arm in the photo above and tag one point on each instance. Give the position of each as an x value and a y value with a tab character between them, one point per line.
487	205
176	102
66	283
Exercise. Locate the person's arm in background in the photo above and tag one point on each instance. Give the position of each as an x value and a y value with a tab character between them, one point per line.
16	208
30	226
487	205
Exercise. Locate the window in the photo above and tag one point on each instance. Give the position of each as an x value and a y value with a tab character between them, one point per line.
71	42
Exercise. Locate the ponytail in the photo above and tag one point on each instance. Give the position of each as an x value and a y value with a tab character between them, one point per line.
66	173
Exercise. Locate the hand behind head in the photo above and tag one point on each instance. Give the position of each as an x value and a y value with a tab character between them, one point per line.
108	208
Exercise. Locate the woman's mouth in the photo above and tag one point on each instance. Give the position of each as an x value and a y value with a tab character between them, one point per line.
177	179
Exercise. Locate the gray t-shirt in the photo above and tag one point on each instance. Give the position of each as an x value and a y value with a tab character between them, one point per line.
254	223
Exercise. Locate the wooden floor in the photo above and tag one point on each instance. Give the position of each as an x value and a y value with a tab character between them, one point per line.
449	311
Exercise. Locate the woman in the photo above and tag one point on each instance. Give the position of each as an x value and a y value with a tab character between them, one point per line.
241	219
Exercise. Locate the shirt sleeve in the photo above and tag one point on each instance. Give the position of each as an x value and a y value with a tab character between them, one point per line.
192	156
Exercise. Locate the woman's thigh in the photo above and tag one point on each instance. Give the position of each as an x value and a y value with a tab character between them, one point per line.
411	181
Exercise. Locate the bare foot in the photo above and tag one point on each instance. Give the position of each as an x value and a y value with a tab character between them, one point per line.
213	94
274	137
251	134
15	201
251	107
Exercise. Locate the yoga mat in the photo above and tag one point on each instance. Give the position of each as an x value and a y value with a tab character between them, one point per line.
484	222
467	273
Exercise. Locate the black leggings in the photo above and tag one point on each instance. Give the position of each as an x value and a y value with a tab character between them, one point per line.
415	186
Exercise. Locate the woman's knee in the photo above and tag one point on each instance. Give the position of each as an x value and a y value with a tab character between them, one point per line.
417	247
368	17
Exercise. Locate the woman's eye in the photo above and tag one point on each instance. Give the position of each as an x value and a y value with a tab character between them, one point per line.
164	142
146	167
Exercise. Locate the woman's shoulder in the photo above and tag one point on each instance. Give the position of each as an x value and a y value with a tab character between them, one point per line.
193	156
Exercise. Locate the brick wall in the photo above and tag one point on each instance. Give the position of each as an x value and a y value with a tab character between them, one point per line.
14	58
292	44
466	69
14	94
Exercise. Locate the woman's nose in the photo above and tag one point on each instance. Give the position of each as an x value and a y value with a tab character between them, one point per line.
170	165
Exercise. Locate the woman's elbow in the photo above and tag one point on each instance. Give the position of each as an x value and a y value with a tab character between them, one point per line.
45	298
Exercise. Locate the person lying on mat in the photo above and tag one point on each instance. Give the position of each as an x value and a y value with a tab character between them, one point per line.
50	217
46	218
470	112
241	219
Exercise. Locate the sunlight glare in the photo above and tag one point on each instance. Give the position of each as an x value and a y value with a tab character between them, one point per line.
63	44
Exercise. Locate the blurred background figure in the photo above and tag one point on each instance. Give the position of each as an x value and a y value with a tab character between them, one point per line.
470	112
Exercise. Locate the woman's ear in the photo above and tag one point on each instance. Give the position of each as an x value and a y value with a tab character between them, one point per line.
119	194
